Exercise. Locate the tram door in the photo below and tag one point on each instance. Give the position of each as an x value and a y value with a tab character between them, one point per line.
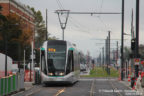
43	62
70	65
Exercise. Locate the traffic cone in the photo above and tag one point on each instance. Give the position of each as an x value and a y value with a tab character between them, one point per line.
129	78
135	83
133	87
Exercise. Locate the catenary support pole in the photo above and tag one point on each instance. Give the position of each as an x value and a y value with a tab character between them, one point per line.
122	38
24	61
46	27
137	36
109	61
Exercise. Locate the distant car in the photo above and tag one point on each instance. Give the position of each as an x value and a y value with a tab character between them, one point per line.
83	67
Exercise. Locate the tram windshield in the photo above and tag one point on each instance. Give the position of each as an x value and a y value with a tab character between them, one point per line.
56	58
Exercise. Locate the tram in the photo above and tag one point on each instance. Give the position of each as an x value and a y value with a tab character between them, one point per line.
59	62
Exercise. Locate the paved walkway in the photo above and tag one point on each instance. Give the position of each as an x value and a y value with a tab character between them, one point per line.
28	85
138	87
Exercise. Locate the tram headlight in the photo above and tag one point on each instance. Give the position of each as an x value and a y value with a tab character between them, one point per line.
61	73
50	74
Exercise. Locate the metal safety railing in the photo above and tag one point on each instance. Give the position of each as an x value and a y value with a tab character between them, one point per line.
11	84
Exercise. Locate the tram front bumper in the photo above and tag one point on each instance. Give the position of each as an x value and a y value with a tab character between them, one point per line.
67	78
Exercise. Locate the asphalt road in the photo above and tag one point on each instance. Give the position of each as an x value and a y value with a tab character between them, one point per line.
85	87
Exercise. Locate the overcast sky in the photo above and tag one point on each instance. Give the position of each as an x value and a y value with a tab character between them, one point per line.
83	29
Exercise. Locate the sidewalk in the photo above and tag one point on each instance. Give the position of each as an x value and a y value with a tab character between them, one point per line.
125	82
28	85
139	89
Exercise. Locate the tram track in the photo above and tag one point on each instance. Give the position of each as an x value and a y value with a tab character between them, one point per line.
87	87
92	88
56	91
115	88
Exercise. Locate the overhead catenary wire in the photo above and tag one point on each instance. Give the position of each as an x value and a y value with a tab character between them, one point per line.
59	4
77	24
96	5
101	6
99	17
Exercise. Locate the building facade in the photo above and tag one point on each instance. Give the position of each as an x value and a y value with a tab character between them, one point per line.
13	6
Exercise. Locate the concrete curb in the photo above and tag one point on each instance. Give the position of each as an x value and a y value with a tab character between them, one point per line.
25	89
125	82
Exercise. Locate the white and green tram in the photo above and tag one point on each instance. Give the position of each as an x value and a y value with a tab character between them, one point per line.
59	62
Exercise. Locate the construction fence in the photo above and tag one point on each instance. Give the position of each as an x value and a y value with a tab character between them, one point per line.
11	84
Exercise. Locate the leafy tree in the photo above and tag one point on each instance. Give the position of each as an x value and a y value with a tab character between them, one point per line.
40	28
17	37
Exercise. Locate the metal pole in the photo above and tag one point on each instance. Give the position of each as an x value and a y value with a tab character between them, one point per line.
40	60
122	38
100	59
32	60
63	34
103	56
30	70
46	26
107	53
5	54
117	56
137	36
109	50
24	62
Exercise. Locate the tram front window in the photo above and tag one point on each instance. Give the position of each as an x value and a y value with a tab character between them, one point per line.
56	59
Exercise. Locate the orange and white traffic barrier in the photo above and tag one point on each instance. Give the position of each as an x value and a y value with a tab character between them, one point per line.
138	86
129	78
27	76
133	87
135	83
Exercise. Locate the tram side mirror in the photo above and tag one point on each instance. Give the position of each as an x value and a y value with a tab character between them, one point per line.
42	52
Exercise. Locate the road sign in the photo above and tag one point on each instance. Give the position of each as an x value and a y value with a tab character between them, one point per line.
137	61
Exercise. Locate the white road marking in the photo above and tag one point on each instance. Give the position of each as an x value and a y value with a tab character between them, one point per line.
60	91
97	79
92	88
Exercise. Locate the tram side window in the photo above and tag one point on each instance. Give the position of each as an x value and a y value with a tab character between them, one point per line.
70	62
76	61
43	63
